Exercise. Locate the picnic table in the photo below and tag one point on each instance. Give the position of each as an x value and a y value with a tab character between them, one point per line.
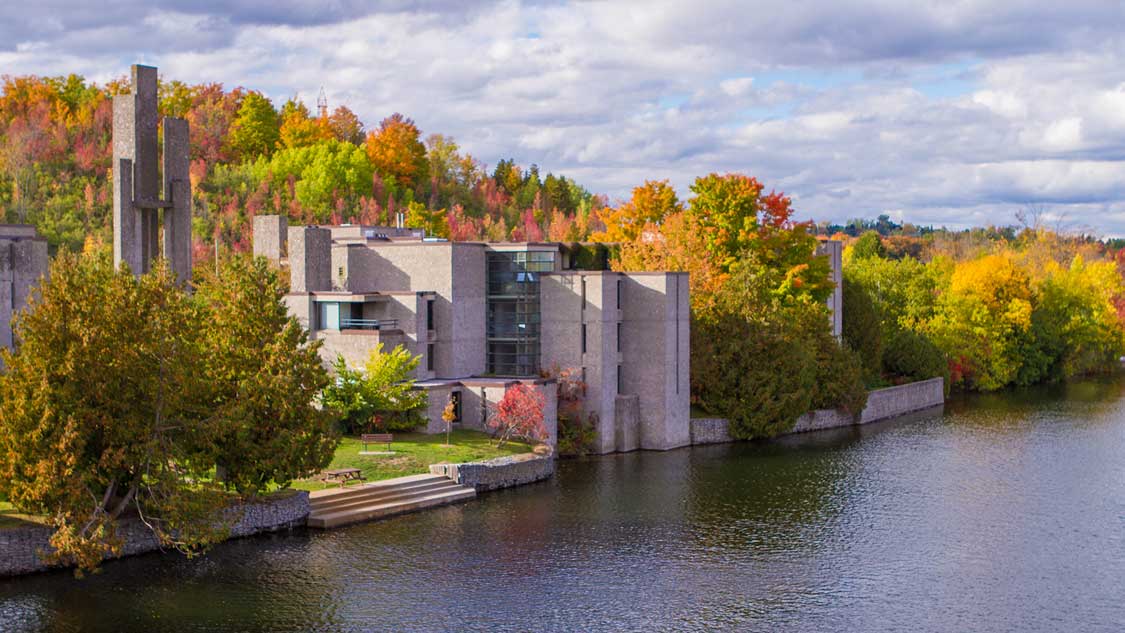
343	475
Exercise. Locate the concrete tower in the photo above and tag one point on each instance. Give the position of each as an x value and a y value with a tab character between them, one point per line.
140	200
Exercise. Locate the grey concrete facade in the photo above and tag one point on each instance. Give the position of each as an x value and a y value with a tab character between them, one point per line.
141	202
23	263
271	236
355	287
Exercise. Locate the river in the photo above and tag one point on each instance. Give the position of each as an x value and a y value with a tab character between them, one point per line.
1004	513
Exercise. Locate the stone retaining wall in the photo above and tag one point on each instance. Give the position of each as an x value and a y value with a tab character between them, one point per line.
501	472
881	404
20	547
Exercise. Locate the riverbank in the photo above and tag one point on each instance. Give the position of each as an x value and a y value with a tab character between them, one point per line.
21	548
882	404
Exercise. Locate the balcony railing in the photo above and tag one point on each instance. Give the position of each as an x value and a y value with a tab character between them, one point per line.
368	324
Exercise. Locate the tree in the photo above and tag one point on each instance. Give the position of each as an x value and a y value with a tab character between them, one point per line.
868	245
448	415
519	414
384	387
863	329
256	130
265	376
298	128
397	153
346	126
97	422
650	204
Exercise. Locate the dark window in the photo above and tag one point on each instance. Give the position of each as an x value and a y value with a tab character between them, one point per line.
430	357
618	294
583	338
620	380
456	398
430	314
583	293
512	328
619	336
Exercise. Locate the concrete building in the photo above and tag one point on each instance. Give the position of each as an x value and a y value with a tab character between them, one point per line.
23	262
144	199
834	251
484	317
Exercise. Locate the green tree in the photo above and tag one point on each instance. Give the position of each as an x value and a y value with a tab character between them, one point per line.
256	129
868	245
382	388
265	376
325	172
863	327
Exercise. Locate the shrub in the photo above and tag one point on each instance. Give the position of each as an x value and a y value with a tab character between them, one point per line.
751	373
839	377
519	414
381	396
577	434
912	355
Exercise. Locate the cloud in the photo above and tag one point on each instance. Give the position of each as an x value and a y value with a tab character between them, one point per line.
947	113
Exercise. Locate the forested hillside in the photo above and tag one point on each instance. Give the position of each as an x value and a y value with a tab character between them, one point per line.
249	157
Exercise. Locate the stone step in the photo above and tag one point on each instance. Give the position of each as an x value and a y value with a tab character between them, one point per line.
385	499
378	496
388	508
359	490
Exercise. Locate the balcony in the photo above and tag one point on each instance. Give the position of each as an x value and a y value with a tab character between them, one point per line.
368	324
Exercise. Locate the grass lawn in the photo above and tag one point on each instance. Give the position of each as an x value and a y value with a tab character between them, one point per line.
9	518
413	454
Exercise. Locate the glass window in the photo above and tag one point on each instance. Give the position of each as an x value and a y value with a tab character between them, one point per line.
430	357
619	336
329	316
430	314
583	338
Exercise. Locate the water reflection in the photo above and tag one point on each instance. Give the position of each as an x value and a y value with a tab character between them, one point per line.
1003	513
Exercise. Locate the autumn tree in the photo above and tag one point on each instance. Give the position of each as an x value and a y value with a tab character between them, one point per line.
397	153
650	204
519	414
298	128
346	126
96	425
256	130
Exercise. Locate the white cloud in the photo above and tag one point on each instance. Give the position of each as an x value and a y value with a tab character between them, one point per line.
832	102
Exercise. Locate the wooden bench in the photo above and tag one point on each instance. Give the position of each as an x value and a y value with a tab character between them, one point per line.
343	475
376	438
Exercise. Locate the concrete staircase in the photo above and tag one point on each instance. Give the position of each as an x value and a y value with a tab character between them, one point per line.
343	506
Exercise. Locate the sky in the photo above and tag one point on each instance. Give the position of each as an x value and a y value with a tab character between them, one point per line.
954	113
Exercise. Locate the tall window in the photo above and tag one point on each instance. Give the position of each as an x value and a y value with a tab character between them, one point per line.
429	357
583	293
618	294
620	380
583	338
513	311
618	336
430	314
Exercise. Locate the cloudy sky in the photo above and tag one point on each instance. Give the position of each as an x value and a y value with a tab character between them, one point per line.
949	113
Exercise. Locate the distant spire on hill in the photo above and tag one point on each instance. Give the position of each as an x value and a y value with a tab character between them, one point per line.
322	104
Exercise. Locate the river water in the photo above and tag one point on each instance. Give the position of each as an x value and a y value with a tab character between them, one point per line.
1004	513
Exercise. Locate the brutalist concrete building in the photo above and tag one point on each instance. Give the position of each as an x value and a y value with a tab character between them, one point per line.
485	316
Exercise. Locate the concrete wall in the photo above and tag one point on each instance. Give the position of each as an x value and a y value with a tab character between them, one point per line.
454	272
882	404
271	236
502	472
20	547
355	345
656	339
23	263
310	259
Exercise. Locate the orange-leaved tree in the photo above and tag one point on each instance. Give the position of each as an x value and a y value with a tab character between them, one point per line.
519	414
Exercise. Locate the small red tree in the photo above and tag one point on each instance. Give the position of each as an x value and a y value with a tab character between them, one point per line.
519	414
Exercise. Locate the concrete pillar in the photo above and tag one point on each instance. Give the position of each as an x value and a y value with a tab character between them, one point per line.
177	193
270	236
310	259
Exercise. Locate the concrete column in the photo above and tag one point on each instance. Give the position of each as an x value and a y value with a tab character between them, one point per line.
270	235
177	192
310	259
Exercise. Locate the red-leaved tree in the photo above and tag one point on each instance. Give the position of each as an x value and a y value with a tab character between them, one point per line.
519	414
